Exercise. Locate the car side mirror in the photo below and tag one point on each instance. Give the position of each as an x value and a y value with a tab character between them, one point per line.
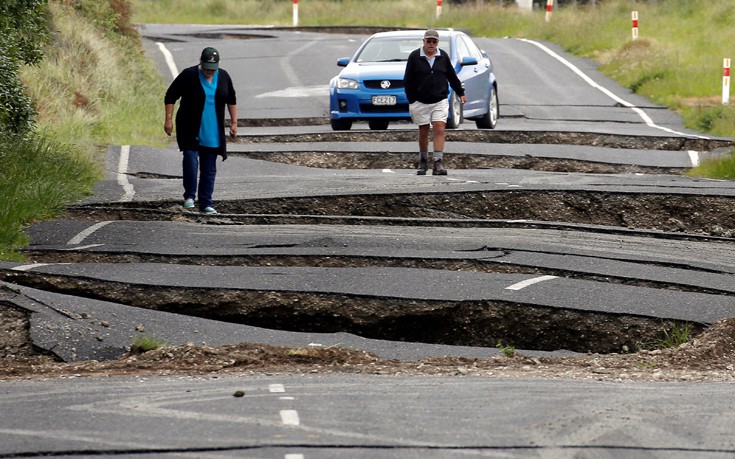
468	61
343	62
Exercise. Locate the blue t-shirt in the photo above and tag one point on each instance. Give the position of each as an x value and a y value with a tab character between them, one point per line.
209	134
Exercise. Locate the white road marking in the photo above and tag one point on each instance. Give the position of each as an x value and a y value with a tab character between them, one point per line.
286	398
122	174
276	388
79	238
293	456
528	282
694	158
388	171
82	247
169	58
35	265
297	91
647	119
290	417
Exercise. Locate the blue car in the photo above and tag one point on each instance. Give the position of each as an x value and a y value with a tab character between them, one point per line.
370	87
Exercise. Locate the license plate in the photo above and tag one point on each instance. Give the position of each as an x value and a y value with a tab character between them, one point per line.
384	100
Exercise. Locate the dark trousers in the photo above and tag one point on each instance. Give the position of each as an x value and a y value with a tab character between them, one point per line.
203	165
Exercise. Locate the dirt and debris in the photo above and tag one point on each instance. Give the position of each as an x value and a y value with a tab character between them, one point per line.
708	357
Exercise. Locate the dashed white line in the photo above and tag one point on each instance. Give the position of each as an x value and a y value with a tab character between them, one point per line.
644	116
293	456
122	174
276	388
527	282
290	417
79	238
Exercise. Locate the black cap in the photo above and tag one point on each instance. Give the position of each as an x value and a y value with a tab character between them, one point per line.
209	59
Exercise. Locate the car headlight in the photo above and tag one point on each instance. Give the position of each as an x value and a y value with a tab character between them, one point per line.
346	83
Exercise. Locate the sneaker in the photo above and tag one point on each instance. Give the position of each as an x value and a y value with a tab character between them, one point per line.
208	211
188	203
438	169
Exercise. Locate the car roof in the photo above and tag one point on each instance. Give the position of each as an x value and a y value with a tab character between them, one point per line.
443	33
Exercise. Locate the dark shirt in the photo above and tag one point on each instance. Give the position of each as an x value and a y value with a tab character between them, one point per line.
188	88
428	84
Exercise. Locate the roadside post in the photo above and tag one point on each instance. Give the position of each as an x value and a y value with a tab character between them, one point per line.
438	8
295	13
634	16
726	82
549	8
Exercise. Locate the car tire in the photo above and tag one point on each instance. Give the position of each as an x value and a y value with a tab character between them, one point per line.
378	125
455	117
490	119
341	125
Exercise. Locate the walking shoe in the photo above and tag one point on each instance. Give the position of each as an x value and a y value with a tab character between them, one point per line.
188	203
422	167
209	211
438	169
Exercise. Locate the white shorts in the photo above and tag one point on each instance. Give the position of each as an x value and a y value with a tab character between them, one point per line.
422	113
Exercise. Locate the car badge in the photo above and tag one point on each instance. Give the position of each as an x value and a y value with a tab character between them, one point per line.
385	84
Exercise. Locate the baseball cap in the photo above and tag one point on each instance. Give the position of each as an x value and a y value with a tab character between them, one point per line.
209	59
431	33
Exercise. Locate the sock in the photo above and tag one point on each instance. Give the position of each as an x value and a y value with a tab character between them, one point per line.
424	156
438	155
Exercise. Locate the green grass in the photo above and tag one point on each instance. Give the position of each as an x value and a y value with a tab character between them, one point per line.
672	336
145	343
92	89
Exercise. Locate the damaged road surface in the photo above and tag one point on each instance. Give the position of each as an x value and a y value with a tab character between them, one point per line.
568	243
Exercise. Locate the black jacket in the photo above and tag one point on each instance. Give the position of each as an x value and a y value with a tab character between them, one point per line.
188	88
428	84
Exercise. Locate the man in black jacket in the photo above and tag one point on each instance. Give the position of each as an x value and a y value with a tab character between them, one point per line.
429	73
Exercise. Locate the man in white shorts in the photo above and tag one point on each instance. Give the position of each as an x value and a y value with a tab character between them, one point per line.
429	74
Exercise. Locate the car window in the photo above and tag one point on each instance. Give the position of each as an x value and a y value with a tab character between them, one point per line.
388	50
472	49
462	50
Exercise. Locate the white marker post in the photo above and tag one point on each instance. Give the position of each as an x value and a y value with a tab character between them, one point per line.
634	16
438	8
549	8
295	13
726	82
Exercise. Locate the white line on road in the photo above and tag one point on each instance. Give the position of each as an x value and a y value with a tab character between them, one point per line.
79	238
290	417
35	265
293	456
169	58
276	388
528	282
82	247
647	119
694	158
122	174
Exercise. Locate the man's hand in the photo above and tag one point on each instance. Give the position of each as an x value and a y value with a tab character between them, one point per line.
168	126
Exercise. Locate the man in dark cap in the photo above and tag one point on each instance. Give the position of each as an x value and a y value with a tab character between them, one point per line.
429	73
204	91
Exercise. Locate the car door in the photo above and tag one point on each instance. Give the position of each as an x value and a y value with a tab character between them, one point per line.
475	77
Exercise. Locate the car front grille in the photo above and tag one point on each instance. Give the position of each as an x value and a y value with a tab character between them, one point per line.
376	84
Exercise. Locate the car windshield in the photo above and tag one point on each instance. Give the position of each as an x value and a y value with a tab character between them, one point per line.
388	49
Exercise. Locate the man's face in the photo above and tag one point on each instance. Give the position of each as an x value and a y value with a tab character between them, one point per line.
430	45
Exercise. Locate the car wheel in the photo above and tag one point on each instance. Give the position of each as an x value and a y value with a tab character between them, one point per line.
378	125
341	125
455	112
490	119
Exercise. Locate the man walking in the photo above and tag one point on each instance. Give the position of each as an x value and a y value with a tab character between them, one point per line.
429	73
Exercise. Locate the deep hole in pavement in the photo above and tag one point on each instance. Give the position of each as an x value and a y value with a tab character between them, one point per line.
467	323
675	213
